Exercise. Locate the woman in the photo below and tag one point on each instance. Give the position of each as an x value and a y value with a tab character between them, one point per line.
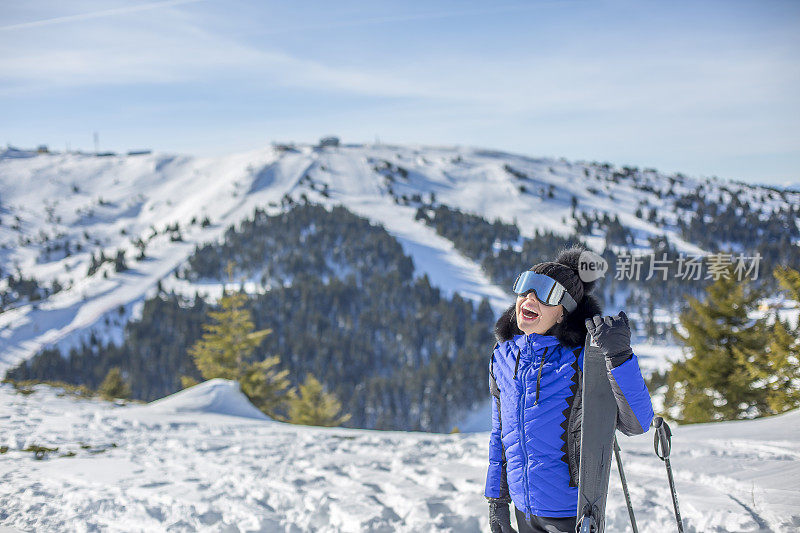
536	415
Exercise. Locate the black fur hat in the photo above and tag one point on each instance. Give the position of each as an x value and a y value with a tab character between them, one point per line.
572	330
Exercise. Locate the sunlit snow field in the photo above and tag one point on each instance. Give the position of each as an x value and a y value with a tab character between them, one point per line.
206	460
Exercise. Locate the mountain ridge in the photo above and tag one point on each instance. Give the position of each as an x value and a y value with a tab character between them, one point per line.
82	204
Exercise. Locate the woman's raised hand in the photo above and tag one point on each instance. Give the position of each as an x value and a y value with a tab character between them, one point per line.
612	334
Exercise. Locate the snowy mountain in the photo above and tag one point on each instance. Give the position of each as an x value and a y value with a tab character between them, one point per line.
58	210
187	468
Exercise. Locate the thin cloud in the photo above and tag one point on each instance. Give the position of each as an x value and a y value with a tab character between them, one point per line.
95	14
559	82
567	86
409	18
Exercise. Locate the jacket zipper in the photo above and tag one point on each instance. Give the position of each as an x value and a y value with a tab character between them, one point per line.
522	437
522	442
521	422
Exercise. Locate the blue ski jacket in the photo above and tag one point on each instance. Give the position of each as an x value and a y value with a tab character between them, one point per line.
534	447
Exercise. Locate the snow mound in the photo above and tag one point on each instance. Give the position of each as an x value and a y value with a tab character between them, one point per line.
218	396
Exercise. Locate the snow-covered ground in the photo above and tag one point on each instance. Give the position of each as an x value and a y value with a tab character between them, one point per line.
181	464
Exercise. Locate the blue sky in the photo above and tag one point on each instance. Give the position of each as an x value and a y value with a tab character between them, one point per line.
705	88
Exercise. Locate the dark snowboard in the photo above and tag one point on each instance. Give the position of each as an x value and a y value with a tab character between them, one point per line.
597	440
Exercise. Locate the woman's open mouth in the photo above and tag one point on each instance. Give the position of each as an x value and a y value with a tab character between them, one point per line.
527	314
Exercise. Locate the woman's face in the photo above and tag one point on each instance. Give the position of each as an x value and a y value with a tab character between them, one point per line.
540	318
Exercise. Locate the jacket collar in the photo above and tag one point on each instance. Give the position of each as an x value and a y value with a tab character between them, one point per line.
536	340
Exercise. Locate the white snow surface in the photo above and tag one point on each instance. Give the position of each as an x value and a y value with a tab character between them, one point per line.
190	468
220	396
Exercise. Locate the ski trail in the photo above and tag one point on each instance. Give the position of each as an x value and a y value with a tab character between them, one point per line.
447	269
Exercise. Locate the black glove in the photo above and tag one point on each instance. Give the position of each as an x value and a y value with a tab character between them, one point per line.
613	335
500	516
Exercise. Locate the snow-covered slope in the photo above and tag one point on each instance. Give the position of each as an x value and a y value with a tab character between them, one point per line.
131	468
94	203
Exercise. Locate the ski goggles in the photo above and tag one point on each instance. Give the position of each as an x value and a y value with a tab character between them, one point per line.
548	291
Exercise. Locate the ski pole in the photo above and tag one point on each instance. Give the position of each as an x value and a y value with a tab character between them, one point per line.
624	486
662	442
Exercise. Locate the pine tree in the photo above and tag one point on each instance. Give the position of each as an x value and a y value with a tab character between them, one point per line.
119	261
94	264
776	372
312	406
114	386
789	279
188	381
266	386
715	381
226	351
141	245
229	342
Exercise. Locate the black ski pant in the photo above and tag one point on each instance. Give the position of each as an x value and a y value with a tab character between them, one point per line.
545	524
